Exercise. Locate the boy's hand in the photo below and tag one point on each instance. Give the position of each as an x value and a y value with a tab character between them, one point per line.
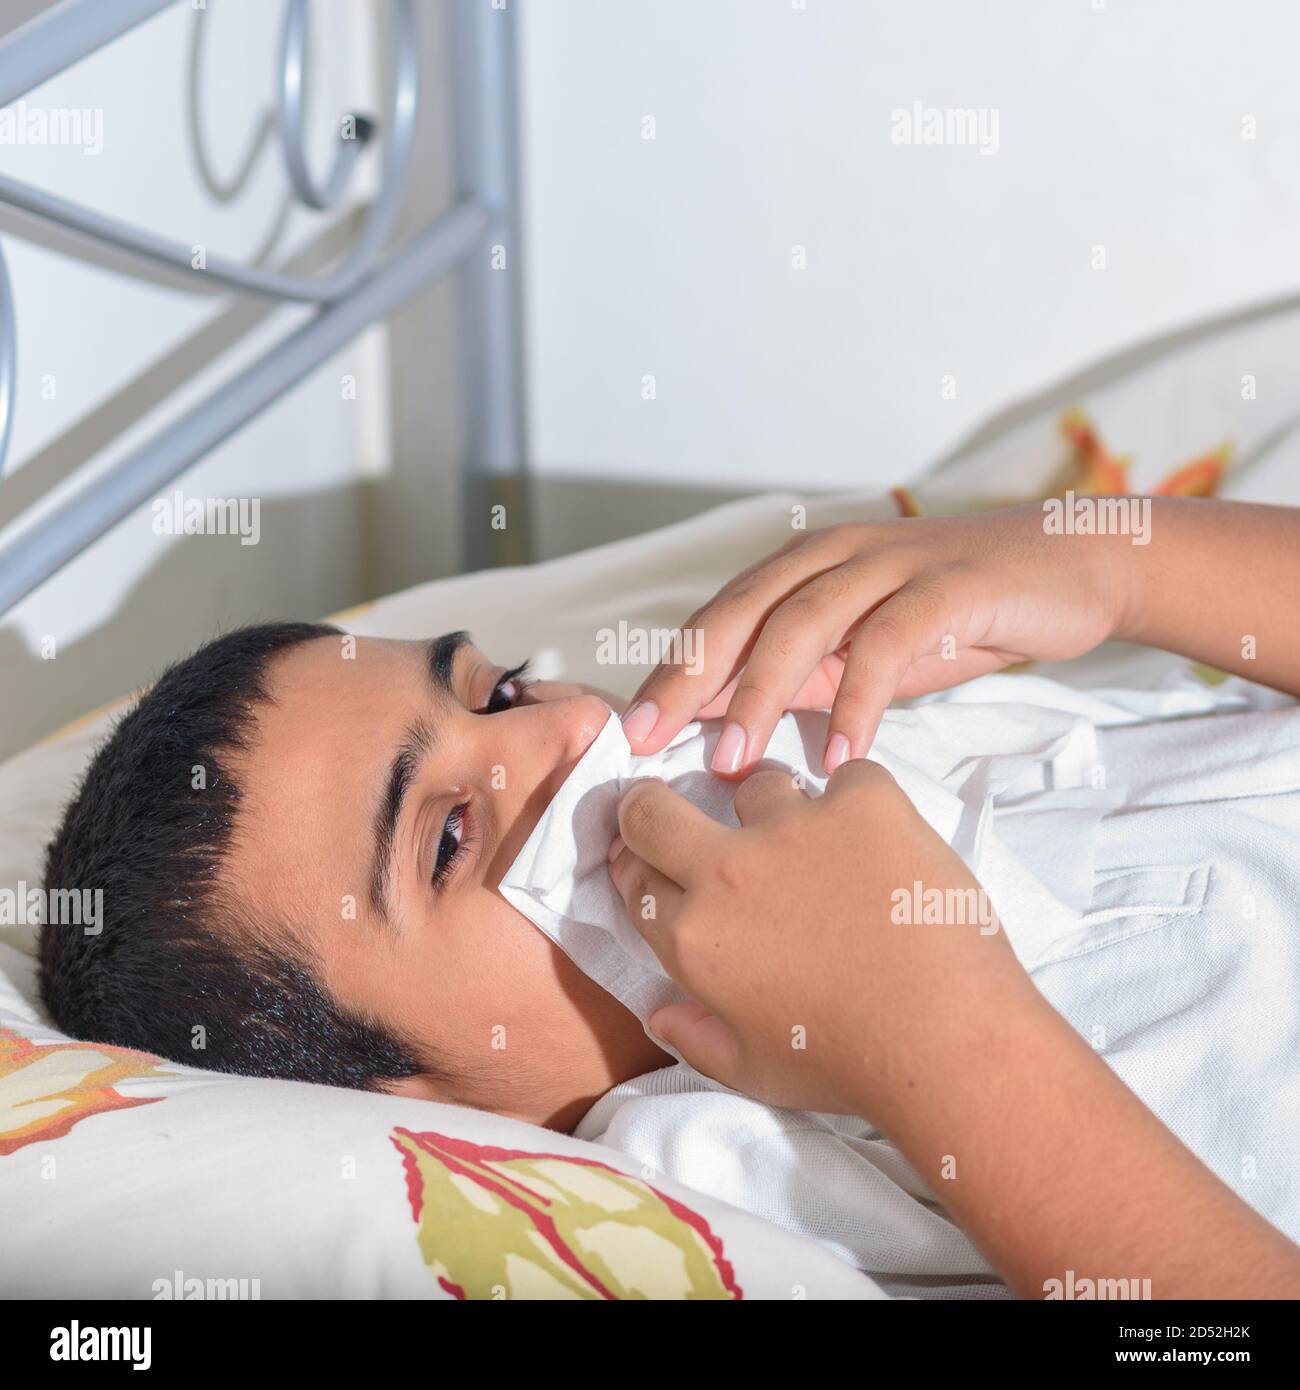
809	993
859	614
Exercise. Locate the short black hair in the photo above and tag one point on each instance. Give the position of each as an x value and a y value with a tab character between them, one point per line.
175	953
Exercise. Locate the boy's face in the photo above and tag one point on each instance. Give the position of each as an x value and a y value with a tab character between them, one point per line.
384	798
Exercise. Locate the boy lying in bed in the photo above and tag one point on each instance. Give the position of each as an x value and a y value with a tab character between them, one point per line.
299	839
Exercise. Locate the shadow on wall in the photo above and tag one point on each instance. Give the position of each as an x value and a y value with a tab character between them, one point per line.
575	513
200	586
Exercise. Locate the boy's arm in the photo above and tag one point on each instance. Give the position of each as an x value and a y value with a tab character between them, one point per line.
1059	1166
810	994
1056	1170
1219	582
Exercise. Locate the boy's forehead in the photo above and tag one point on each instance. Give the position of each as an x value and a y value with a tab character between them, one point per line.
311	774
333	678
341	658
329	688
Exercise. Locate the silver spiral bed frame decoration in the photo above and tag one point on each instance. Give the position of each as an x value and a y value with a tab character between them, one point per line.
365	286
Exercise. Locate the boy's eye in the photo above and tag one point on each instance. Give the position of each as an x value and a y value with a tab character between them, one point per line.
449	844
509	690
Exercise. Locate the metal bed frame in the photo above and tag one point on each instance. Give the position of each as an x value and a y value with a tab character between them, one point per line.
368	283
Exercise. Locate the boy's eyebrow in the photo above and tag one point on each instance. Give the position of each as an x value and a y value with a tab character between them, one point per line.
439	659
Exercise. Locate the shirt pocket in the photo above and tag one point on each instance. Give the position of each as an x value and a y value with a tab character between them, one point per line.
1127	902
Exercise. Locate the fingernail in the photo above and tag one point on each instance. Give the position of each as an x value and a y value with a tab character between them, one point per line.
837	751
616	848
639	721
730	752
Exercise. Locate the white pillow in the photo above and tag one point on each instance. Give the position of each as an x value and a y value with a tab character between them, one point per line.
125	1177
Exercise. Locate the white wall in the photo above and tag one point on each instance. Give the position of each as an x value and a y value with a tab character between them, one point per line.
1119	124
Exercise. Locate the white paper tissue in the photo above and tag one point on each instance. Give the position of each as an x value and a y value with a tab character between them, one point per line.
1008	785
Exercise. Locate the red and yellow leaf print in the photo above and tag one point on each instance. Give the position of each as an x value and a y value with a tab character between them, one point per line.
905	501
497	1223
1200	478
1091	470
1097	472
46	1088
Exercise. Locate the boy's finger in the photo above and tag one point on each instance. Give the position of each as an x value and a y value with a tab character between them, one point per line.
704	1041
667	831
721	635
767	793
651	898
712	648
796	638
880	653
860	777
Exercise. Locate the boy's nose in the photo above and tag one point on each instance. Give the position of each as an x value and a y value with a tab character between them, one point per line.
559	731
583	717
564	726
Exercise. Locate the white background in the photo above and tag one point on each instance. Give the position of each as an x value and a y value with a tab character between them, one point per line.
1120	125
